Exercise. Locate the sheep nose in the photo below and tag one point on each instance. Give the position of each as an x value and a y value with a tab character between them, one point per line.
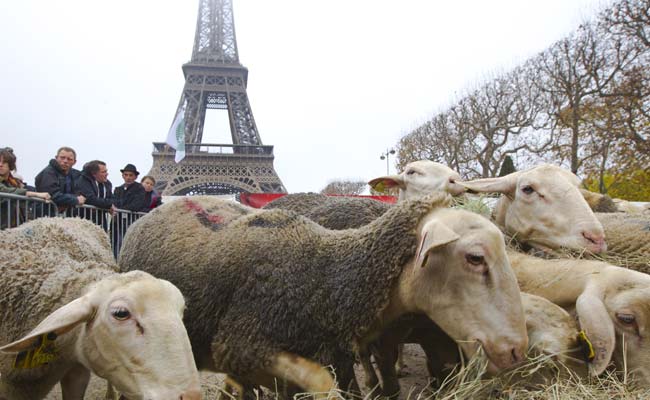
191	395
596	241
517	355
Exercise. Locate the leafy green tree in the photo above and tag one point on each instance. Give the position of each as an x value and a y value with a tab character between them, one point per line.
633	185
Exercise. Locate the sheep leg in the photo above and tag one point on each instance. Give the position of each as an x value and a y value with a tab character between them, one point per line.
306	374
386	352
386	359
399	362
347	379
371	380
438	356
75	382
439	348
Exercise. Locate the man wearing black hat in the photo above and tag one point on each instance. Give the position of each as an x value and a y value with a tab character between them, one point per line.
128	196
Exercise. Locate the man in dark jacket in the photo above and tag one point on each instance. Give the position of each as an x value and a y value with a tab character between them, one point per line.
58	179
128	196
94	185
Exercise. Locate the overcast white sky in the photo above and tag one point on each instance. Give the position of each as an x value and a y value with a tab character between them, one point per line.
332	84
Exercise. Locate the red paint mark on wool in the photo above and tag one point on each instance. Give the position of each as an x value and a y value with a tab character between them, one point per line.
196	208
193	206
215	219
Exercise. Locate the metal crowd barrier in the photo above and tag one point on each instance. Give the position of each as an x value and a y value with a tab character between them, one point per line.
15	210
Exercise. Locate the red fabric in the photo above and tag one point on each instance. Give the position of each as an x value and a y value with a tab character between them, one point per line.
259	200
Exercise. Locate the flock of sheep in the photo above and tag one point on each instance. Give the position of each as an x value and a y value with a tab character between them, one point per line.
291	296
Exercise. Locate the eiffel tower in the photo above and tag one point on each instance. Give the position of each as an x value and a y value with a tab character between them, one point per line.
215	79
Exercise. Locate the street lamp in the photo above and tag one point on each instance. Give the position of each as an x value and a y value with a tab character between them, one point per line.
386	156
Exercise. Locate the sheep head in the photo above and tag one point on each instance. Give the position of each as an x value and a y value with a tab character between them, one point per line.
462	280
622	300
421	178
544	207
130	332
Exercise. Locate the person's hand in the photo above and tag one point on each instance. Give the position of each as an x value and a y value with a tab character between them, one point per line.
113	210
81	199
41	195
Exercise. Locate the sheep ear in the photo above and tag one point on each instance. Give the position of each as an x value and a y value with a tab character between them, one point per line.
505	184
386	182
59	322
598	326
434	235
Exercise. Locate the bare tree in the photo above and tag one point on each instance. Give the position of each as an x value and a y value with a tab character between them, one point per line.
502	115
477	133
629	18
584	101
344	187
627	23
574	71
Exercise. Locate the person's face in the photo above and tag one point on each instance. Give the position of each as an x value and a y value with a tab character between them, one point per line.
66	160
129	177
101	176
148	185
4	168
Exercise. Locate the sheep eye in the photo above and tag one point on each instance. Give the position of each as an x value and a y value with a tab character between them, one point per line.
475	259
626	319
410	172
528	189
121	314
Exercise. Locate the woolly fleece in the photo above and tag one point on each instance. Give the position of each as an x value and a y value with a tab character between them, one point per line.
332	212
262	281
628	239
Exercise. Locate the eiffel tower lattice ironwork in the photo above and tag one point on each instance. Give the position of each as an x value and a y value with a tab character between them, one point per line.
215	79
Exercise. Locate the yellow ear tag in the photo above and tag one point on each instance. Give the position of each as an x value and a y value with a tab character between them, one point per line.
587	347
44	353
380	187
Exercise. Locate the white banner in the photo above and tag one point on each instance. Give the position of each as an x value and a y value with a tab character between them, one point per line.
176	135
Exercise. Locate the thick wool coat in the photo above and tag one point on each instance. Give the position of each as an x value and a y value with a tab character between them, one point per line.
628	239
258	282
332	212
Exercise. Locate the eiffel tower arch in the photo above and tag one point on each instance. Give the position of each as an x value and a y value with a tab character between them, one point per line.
215	79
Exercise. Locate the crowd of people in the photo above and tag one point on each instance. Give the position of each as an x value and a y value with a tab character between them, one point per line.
68	187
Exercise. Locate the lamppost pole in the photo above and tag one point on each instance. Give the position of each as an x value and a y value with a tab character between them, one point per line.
386	156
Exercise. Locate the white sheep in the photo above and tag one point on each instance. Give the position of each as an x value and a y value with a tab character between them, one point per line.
420	178
544	207
67	312
612	305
